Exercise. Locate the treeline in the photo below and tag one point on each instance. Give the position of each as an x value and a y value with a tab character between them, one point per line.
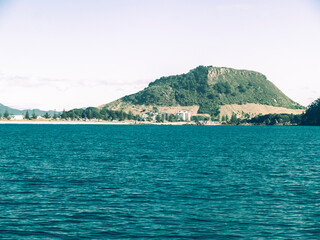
80	114
28	116
200	118
268	119
275	119
96	113
310	117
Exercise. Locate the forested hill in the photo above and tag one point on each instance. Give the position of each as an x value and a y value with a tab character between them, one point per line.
209	88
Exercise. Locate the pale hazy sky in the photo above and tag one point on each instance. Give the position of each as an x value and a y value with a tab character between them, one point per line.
57	54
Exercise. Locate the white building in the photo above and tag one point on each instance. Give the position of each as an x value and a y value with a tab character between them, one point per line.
184	115
16	117
144	116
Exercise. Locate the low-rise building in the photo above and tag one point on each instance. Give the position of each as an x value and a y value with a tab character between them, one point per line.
184	115
144	116
16	117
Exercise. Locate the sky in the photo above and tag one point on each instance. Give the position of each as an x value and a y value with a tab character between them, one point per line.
64	54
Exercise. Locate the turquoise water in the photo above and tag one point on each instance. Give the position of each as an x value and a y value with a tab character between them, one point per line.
162	182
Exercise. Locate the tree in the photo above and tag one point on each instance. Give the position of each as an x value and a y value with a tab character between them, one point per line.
6	115
34	116
112	115
106	116
90	115
121	116
215	118
241	88
46	115
72	115
64	114
172	118
158	118
130	115
233	119
26	116
55	116
94	113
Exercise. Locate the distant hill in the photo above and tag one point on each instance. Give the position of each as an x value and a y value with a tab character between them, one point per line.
13	111
211	90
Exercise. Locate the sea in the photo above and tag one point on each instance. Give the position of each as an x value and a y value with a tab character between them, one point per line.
159	182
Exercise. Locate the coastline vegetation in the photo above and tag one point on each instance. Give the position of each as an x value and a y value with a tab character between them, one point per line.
96	113
310	117
274	119
312	114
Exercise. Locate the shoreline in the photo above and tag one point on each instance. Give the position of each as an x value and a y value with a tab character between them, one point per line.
66	122
59	122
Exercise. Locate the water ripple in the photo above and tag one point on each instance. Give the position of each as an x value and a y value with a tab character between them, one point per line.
142	182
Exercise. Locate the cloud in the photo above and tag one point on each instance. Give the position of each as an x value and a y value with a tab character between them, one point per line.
52	93
63	84
31	82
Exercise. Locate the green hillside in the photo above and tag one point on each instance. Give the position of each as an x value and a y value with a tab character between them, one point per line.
210	87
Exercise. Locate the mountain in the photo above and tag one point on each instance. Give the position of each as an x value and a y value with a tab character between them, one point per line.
210	90
13	111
